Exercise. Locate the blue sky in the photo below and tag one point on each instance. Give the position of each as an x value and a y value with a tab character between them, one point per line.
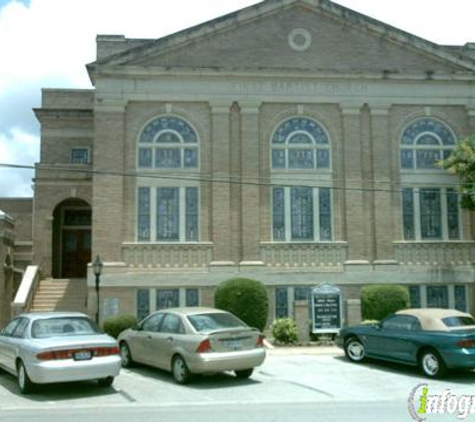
46	43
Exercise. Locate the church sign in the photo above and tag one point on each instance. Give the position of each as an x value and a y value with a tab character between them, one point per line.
326	309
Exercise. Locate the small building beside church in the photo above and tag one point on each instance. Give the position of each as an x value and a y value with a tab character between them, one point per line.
292	142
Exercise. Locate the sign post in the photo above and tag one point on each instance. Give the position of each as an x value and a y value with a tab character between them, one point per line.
326	306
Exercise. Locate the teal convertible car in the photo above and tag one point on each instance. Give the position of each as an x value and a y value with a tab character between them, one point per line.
433	339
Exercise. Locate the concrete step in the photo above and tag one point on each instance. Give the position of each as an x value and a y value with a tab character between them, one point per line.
60	295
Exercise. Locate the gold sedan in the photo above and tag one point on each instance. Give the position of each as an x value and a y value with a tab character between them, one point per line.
190	341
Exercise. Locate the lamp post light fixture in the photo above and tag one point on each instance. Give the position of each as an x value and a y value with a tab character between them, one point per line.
97	269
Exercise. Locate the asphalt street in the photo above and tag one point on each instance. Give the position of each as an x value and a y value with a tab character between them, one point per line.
293	384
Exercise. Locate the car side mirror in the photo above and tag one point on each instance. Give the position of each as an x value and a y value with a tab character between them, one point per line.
137	327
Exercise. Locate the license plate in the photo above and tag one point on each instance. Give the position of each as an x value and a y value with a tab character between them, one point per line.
234	344
85	355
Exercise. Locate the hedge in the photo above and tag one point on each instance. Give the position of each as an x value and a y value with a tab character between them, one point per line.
118	323
379	301
247	299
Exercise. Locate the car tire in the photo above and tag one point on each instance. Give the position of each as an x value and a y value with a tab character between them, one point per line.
126	356
180	370
24	383
354	350
244	373
431	364
105	382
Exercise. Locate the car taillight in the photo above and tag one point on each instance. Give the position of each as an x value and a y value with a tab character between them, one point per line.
55	355
204	346
106	351
260	341
466	344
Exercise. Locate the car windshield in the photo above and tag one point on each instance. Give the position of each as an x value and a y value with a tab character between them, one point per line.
63	326
214	321
458	321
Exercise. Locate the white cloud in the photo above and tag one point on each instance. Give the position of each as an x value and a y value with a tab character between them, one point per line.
48	44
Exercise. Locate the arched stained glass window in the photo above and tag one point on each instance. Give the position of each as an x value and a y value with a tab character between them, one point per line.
300	143
424	143
168	142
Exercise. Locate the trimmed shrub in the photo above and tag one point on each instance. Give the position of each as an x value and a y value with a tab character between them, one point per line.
379	301
247	299
118	323
284	331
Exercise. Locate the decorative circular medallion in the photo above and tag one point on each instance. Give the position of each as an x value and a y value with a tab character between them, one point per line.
299	39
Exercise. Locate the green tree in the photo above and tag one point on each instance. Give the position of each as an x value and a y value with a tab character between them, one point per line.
462	162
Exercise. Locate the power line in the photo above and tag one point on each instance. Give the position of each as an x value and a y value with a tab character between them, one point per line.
251	181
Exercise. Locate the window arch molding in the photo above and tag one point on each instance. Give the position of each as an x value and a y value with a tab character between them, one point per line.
168	142
423	142
300	143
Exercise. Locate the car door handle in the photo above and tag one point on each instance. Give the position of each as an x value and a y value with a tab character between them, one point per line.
169	338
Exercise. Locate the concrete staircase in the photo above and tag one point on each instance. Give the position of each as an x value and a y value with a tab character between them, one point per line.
60	295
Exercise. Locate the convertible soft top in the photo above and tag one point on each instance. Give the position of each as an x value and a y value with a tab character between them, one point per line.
431	318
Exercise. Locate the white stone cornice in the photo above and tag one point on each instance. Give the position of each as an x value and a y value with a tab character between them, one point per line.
250	107
110	105
351	109
379	109
220	107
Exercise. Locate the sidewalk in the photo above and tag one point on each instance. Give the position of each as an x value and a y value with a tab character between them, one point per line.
302	350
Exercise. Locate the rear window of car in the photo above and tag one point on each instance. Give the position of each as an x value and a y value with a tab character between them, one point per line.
64	326
214	321
458	321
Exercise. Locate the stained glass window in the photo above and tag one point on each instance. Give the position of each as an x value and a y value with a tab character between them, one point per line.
79	156
431	214
278	214
460	298
191	214
168	298
300	143
192	297
453	214
424	142
302	213
415	296
168	214
325	214
437	297
168	142
281	302
144	214
408	214
143	303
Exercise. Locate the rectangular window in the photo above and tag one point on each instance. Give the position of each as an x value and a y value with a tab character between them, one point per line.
415	296
168	214
460	298
143	214
168	298
301	214
143	303
281	303
430	214
301	293
453	214
79	156
437	297
192	297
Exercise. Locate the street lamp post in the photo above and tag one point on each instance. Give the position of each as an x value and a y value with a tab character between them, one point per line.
97	268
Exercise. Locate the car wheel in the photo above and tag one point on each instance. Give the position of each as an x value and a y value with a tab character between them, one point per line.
180	370
24	382
244	373
432	365
126	356
105	382
354	350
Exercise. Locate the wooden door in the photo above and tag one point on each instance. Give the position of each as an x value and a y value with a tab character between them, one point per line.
76	252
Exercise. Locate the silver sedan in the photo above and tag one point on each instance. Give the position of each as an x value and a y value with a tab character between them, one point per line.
190	341
57	347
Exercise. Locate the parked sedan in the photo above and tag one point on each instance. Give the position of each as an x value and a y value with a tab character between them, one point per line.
433	339
57	347
190	341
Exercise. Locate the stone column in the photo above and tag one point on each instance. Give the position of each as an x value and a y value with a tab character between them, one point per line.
221	189
353	312
108	181
355	218
250	188
301	320
383	207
